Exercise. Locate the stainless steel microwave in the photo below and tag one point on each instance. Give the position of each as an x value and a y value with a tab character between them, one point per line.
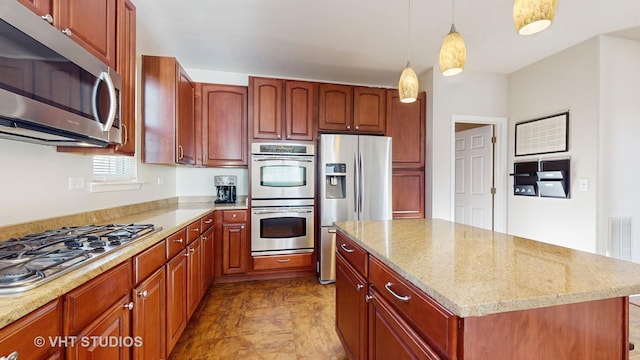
52	90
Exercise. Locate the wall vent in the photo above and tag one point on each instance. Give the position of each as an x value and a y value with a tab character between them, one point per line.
620	238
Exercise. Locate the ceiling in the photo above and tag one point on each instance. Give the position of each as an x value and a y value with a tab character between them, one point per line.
362	41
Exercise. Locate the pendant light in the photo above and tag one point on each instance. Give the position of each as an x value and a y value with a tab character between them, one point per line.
533	16
453	53
408	83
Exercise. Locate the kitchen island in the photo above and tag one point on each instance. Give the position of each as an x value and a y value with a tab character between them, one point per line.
438	289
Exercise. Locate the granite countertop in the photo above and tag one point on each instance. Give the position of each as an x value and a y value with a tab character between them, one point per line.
475	272
171	217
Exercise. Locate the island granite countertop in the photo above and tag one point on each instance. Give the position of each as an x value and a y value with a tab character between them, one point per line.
171	216
475	272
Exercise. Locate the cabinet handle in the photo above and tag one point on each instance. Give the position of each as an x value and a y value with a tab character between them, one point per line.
401	298
368	297
283	260
359	287
129	306
67	32
180	152
196	229
208	221
48	18
179	241
345	248
143	294
125	135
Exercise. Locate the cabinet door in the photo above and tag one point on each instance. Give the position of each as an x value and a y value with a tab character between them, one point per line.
224	125
194	276
149	316
40	7
234	248
407	129
300	110
369	110
351	309
207	258
390	337
115	323
92	24
185	127
126	67
176	299
336	102
408	194
266	108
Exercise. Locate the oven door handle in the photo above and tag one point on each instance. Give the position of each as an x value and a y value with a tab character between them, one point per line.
283	159
306	211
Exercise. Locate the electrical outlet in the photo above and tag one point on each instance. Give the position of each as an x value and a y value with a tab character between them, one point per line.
160	180
583	184
76	183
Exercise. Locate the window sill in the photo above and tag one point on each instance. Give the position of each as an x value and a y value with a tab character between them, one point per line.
100	186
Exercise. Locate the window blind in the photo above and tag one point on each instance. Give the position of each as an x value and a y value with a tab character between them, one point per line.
111	168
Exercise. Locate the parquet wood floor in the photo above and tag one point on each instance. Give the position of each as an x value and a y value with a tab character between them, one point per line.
280	319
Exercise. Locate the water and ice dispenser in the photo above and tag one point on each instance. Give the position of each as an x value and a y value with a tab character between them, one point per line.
336	180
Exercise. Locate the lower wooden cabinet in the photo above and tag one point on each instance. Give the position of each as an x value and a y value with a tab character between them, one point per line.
194	275
208	250
234	248
18	338
390	337
149	316
176	299
280	262
351	309
104	334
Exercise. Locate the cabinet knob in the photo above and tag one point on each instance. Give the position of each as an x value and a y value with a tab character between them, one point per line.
192	250
129	306
368	297
234	216
195	229
359	287
242	227
179	241
357	127
48	18
67	32
279	136
143	294
348	127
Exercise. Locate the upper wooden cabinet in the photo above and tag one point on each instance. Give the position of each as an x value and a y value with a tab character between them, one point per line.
126	67
224	124
352	108
168	97
268	97
407	128
92	24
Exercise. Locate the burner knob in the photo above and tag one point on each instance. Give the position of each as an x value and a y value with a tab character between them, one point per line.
129	306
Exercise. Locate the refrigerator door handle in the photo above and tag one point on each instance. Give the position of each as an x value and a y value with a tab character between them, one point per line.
356	190
361	196
332	231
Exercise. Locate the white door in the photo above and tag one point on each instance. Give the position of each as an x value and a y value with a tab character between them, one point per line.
474	175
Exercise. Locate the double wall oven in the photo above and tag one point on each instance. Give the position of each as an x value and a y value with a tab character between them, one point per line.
282	198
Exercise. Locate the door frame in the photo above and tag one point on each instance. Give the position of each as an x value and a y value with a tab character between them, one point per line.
499	165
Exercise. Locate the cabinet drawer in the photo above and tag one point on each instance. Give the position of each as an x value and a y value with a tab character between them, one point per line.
85	303
19	336
207	222
176	243
148	261
273	262
234	216
354	254
429	318
193	231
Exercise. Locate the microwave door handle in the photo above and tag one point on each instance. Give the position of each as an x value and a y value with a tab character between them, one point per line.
113	106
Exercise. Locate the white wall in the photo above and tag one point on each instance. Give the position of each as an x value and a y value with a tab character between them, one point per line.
619	168
470	93
565	81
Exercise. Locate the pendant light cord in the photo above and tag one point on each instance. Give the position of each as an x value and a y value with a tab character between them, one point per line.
409	34
453	11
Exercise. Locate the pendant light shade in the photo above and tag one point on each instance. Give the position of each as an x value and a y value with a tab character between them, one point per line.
533	16
453	53
408	85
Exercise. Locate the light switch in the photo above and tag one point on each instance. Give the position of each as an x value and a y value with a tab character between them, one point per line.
583	184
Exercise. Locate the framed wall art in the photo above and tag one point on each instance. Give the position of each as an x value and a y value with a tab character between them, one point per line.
549	134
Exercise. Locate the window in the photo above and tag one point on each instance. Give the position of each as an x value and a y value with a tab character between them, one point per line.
114	173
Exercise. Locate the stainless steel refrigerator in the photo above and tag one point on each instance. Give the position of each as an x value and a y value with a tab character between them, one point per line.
355	184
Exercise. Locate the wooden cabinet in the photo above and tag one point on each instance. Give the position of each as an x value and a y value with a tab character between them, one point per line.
126	67
283	262
19	336
149	316
208	255
176	299
40	7
224	124
234	249
352	108
282	109
351	309
406	125
168	125
92	24
194	276
115	323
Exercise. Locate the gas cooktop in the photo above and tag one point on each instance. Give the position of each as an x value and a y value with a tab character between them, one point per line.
35	259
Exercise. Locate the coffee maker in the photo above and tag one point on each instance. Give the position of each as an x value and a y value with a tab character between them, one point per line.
225	188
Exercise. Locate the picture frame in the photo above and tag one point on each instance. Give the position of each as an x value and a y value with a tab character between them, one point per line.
545	135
